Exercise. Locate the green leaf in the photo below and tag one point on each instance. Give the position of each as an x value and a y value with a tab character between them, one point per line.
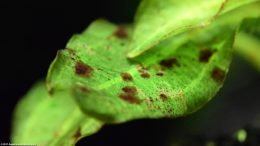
251	26
50	120
156	20
234	17
247	41
163	83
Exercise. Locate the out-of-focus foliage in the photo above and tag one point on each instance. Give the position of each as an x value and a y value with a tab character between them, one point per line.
50	120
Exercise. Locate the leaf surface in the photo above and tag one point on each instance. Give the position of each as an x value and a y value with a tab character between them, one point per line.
165	83
50	121
156	20
247	41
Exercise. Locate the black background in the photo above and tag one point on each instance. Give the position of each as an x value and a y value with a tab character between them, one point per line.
32	33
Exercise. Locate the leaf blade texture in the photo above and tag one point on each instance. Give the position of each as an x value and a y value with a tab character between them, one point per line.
157	20
165	83
44	120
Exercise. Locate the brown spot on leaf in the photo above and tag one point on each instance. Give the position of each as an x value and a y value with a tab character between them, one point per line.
169	63
83	69
145	74
205	55
131	98
163	96
218	75
143	71
77	135
129	95
120	32
126	77
129	89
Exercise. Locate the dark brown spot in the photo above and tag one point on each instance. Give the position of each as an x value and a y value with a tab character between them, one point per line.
163	97
130	95
159	74
120	32
77	135
129	89
143	71
205	55
145	74
83	69
131	98
168	63
126	77
218	75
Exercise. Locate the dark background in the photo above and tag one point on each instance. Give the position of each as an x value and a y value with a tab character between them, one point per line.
32	33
